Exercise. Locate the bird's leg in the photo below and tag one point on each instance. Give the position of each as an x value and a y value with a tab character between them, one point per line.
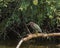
36	32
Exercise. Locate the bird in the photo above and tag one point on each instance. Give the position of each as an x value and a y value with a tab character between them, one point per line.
35	27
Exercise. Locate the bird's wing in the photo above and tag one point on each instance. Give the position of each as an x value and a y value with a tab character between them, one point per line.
37	28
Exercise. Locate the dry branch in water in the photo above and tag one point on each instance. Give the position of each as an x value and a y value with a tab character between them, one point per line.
30	36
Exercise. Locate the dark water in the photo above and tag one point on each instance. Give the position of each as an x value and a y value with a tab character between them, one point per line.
12	44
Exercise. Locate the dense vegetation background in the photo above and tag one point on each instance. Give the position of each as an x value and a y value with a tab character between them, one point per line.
46	13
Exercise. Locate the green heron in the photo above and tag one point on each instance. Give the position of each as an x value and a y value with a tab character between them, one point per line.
35	27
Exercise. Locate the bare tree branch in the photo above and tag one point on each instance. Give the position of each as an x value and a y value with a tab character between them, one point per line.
30	36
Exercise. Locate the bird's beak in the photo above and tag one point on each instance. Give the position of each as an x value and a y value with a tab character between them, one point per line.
28	24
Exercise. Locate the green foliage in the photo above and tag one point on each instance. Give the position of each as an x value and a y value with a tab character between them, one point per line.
40	11
35	2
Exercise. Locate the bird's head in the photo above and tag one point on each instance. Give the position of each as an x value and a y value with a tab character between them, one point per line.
31	23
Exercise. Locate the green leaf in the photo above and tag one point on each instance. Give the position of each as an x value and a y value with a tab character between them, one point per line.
51	17
5	5
58	18
35	2
1	0
24	5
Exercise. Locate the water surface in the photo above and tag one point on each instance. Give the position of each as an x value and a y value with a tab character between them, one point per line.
12	44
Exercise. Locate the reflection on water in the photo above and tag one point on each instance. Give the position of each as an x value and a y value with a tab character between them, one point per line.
12	44
36	46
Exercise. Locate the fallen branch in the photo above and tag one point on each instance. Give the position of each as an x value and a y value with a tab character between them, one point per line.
30	36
